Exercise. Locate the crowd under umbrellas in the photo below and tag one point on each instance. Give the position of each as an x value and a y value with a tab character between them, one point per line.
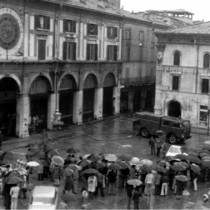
107	174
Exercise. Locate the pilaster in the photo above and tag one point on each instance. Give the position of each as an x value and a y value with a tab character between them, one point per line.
78	107
98	103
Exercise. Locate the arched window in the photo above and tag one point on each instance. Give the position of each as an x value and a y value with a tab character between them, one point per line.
206	59
177	58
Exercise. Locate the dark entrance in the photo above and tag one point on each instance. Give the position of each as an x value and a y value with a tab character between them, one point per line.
124	100
8	92
108	100
137	99
66	99
89	98
174	109
39	104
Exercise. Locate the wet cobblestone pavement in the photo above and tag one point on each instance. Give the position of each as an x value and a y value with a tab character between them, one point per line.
116	136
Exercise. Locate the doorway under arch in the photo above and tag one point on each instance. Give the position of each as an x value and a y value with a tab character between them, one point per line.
66	98
89	97
174	109
8	106
39	97
108	99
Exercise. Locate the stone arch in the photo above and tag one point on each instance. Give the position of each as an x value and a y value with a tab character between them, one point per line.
74	77
112	80
34	77
174	108
90	81
14	77
88	74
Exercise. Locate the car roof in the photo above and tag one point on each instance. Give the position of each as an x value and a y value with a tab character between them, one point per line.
176	119
44	191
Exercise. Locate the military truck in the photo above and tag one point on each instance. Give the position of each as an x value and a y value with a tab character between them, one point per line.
147	124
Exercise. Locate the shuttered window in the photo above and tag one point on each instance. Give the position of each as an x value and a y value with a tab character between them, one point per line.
112	32
175	83
69	26
42	22
205	86
112	52
177	58
92	52
41	49
69	51
92	29
206	59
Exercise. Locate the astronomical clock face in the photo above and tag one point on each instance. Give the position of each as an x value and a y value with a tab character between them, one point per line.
11	29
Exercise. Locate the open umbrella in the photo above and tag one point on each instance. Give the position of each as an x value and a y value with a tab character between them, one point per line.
159	168
114	167
90	171
99	165
123	165
206	164
195	160
32	164
146	168
57	160
182	157
93	158
169	158
69	197
196	169
52	152
178	167
72	150
205	158
134	182
68	172
73	167
135	161
146	162
14	180
124	157
84	163
181	178
110	157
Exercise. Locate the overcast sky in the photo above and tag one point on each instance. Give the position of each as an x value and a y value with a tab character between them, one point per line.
200	8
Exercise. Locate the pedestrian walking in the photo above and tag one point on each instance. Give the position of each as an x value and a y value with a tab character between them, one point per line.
23	187
100	185
152	145
123	177
194	178
135	196
157	183
92	184
75	180
149	184
41	171
84	197
14	193
68	183
112	178
129	189
164	187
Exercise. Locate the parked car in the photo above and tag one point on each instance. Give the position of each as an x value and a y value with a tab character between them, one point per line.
44	197
176	129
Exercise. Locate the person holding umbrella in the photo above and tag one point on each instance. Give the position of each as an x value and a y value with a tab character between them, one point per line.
14	193
92	184
112	178
136	195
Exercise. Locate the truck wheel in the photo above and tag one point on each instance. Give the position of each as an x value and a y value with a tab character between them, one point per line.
172	139
136	129
144	132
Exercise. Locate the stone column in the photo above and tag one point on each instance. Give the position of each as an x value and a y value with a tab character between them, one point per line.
51	110
22	116
78	107
98	103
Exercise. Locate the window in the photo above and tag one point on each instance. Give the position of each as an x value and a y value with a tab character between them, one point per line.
42	22
92	52
41	49
177	58
206	59
175	83
69	26
127	34
205	86
69	51
92	29
112	52
203	115
112	32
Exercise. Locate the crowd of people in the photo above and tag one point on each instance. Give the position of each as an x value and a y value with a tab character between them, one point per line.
108	174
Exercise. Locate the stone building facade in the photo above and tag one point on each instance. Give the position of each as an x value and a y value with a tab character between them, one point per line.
182	77
56	56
